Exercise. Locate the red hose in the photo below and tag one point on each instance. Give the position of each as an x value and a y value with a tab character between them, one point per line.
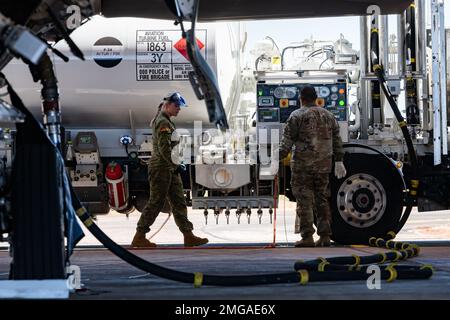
275	195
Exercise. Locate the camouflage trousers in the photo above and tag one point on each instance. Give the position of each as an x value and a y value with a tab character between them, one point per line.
311	190
165	186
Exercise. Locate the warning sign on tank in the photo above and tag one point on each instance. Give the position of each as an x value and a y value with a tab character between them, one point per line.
162	55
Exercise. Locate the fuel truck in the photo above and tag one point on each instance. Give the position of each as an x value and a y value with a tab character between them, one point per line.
109	100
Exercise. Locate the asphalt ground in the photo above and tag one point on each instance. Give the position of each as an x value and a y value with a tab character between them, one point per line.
239	249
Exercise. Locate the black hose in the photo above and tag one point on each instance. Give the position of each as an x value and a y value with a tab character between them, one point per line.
375	85
303	276
173	274
412	110
410	37
412	156
360	265
401	121
306	274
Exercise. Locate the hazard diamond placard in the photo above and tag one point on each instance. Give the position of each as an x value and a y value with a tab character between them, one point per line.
181	47
162	55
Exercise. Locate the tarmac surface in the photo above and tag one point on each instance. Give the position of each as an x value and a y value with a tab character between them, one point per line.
238	249
107	277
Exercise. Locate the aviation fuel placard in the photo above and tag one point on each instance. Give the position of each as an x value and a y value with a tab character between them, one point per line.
161	54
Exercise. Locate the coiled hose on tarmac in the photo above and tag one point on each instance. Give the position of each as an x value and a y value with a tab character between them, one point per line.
359	265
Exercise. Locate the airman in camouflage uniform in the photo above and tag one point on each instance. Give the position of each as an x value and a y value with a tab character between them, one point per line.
164	178
312	135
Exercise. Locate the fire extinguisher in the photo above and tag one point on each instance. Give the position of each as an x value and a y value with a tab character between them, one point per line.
117	186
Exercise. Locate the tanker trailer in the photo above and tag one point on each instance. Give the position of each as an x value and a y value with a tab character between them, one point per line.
109	100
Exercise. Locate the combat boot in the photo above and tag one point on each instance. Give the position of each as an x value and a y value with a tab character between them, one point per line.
140	241
305	242
192	241
324	241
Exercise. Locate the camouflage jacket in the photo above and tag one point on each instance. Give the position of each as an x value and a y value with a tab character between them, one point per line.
312	135
162	129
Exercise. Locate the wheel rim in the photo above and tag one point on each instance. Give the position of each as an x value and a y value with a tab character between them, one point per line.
361	200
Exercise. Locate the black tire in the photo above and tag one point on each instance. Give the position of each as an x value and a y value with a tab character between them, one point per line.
37	210
361	167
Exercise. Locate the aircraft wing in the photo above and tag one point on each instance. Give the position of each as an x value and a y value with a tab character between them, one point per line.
216	10
33	12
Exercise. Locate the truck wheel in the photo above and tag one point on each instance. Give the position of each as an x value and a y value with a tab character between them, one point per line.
368	201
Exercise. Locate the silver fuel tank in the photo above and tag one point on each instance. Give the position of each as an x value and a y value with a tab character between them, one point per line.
131	63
